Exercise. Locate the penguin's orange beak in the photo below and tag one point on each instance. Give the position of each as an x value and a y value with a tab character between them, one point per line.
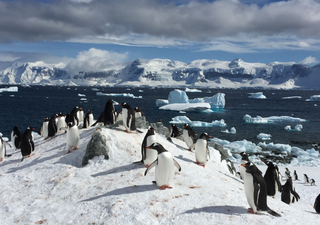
243	165
210	136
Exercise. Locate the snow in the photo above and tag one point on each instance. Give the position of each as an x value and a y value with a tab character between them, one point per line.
185	119
257	95
52	188
248	119
264	137
9	89
186	107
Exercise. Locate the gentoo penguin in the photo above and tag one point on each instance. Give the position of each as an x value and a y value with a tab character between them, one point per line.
73	116
278	172
119	116
164	164
99	120
149	155
3	148
80	115
244	160
27	145
256	190
231	168
109	113
317	204
312	182
189	136
201	151
306	178
52	126
44	127
272	180
61	122
16	137
287	173
128	118
295	175
174	132
138	112
73	137
88	119
288	194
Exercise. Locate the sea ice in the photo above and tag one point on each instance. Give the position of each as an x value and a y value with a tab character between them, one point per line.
258	95
232	131
264	137
185	119
115	94
314	98
9	89
192	90
81	95
248	119
291	97
186	107
298	127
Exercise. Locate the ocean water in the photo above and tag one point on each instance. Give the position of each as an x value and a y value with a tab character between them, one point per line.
30	105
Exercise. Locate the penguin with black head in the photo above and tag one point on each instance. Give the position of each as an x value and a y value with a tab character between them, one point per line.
289	195
256	190
174	132
189	136
272	180
109	116
3	152
128	117
52	126
73	116
27	144
44	127
201	151
149	155
73	137
16	137
138	112
88	119
244	160
317	204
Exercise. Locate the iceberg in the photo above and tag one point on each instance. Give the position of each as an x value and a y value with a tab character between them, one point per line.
186	107
314	98
161	102
298	127
9	89
264	137
178	96
115	94
185	119
248	119
232	131
81	95
216	101
291	97
192	90
258	95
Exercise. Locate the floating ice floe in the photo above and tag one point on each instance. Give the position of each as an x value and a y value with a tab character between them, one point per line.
192	90
81	95
258	95
185	119
298	127
314	98
118	95
232	131
248	119
83	99
9	89
178	96
186	107
291	97
264	137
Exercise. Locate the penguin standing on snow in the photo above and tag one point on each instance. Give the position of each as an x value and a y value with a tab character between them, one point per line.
128	117
80	115
256	190
88	119
174	132
73	116
272	180
27	144
61	122
3	152
317	204
52	126
312	182
164	166
109	116
244	160
189	136
138	112
289	195
306	178
16	137
73	137
295	175
44	127
201	149
149	155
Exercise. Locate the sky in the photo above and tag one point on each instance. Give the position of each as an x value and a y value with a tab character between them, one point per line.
109	32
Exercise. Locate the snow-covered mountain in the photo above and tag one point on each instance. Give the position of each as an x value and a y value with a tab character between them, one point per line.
164	72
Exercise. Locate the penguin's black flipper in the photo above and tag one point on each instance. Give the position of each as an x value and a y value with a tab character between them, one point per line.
177	165
8	155
139	131
273	213
295	195
139	162
151	165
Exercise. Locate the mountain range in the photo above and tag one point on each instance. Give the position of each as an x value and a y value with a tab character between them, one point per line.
203	73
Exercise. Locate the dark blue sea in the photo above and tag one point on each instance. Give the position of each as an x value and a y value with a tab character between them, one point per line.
30	105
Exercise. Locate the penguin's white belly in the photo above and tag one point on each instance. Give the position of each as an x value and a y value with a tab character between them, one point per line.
90	120
137	114
60	124
151	156
249	190
45	129
201	151
164	170
13	139
73	137
124	118
80	116
2	150
242	169
187	138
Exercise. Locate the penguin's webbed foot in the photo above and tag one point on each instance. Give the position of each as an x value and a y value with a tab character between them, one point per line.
251	211
1	159
164	187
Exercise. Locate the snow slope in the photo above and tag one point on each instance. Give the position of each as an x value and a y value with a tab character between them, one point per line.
52	188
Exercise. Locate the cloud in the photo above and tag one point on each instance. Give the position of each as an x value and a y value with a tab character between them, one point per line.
198	21
95	60
309	60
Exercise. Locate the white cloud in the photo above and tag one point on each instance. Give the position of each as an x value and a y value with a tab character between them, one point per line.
309	60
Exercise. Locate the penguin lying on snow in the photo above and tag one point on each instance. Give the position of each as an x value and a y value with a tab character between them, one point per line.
256	190
201	149
164	164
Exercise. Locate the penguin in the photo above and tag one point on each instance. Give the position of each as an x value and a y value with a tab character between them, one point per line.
61	122
73	137
174	132
306	179
295	175
88	119
239	175
109	113
73	116
99	120
189	136
128	117
27	144
164	166
149	155
16	138
44	128
138	112
119	116
317	204
278	172
80	115
287	173
244	160
201	149
289	195
232	169
256	190
272	180
312	182
3	152
52	126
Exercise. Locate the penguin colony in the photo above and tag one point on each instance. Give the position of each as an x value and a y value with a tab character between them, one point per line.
256	186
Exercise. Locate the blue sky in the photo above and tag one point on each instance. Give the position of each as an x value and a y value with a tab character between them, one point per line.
112	32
